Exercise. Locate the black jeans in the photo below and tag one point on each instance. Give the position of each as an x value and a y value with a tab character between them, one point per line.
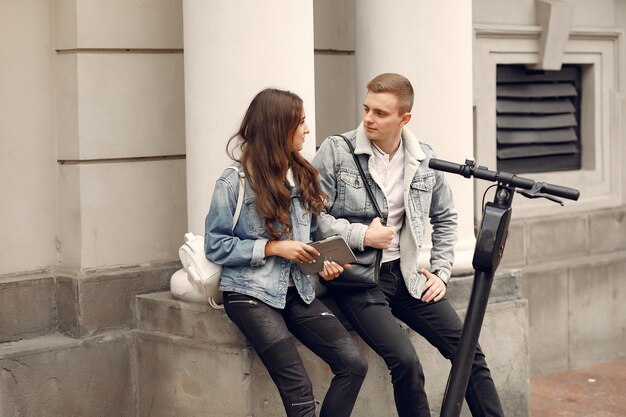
373	314
269	330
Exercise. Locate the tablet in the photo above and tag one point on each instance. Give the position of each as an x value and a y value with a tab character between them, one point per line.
333	248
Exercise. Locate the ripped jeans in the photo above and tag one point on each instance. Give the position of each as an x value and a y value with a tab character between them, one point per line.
270	331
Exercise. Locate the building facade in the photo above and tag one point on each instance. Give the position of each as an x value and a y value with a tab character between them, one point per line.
114	116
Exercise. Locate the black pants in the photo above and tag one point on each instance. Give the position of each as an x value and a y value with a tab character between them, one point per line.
269	330
373	315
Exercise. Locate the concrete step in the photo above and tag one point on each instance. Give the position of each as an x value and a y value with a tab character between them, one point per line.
160	312
76	303
27	306
193	361
57	375
505	287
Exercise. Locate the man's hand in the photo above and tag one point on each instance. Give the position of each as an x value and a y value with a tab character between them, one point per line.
434	289
377	235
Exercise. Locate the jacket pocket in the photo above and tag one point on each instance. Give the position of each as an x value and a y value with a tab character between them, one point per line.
352	193
421	192
256	224
424	183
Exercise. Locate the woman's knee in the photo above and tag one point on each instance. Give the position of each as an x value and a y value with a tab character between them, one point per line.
352	361
358	365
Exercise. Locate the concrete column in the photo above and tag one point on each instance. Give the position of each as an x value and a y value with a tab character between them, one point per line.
234	49
120	132
429	42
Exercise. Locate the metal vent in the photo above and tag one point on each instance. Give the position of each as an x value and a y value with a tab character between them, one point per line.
537	118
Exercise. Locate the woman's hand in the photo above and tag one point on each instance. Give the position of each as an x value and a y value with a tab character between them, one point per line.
292	250
332	270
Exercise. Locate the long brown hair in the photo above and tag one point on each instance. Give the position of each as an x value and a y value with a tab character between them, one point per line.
267	152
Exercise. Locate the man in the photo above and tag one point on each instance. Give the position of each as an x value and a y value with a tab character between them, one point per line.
410	194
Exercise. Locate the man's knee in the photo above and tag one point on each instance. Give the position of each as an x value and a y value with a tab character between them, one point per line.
357	365
405	360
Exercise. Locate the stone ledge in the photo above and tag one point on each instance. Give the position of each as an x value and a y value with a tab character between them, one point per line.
27	306
212	375
59	376
161	312
505	287
90	302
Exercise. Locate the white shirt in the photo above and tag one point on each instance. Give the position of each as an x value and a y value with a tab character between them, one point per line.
391	173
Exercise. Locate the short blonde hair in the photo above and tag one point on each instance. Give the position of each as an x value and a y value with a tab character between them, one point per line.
395	84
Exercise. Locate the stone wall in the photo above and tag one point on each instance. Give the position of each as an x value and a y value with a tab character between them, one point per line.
116	343
574	276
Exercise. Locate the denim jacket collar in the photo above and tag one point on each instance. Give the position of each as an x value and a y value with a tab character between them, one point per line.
411	144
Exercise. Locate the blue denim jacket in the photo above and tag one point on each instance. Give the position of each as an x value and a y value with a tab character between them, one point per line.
242	252
427	198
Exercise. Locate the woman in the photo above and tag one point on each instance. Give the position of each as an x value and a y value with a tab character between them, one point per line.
265	294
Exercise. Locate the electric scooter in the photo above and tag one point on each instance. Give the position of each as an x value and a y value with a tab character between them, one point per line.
487	255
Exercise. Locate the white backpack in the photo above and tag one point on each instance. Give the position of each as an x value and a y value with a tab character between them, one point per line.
203	274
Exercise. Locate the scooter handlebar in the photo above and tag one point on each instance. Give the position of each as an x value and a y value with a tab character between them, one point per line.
513	180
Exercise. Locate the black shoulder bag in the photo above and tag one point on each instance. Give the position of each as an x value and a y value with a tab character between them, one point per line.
363	273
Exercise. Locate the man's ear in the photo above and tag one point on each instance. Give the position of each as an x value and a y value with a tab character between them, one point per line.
405	119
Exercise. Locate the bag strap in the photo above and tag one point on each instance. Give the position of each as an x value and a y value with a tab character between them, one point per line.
242	185
365	182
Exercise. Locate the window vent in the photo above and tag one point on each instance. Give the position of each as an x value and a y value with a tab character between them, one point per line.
538	119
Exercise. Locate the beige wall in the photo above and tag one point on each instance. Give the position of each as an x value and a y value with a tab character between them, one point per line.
120	131
92	156
229	57
28	179
92	174
355	41
596	13
545	239
572	257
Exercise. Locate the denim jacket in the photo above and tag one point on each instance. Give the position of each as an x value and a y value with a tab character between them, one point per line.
427	198
241	252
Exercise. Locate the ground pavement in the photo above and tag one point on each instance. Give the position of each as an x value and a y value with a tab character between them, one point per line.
595	391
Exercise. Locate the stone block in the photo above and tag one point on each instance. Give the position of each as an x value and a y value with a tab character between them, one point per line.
547	293
504	339
604	231
505	287
59	376
182	377
174	370
160	312
27	306
100	300
552	239
515	247
122	213
140	113
555	19
597	312
68	305
118	24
